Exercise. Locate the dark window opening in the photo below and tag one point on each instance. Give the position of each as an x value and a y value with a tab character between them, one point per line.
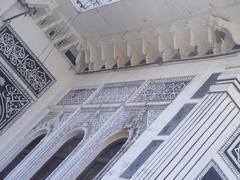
51	33
101	160
21	156
71	57
58	158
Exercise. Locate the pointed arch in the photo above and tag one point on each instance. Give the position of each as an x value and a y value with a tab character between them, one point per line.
25	151
71	142
110	148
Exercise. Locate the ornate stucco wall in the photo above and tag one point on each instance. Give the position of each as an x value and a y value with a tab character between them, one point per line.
181	118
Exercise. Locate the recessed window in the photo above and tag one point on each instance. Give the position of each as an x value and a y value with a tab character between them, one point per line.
86	5
71	54
101	160
58	157
51	33
30	147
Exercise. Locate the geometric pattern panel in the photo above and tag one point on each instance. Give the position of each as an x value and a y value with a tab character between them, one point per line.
13	99
194	138
116	92
212	172
230	152
161	90
92	120
76	97
21	59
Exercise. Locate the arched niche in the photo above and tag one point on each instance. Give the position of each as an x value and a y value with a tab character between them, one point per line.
70	142
109	148
23	153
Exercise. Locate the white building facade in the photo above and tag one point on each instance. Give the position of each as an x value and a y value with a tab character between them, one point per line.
124	91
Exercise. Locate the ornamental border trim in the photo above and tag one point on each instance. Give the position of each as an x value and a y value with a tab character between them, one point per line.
24	92
35	58
228	145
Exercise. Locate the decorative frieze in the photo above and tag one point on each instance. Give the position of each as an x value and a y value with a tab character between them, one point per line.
230	152
135	120
116	92
76	97
100	122
13	99
161	90
28	67
89	120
